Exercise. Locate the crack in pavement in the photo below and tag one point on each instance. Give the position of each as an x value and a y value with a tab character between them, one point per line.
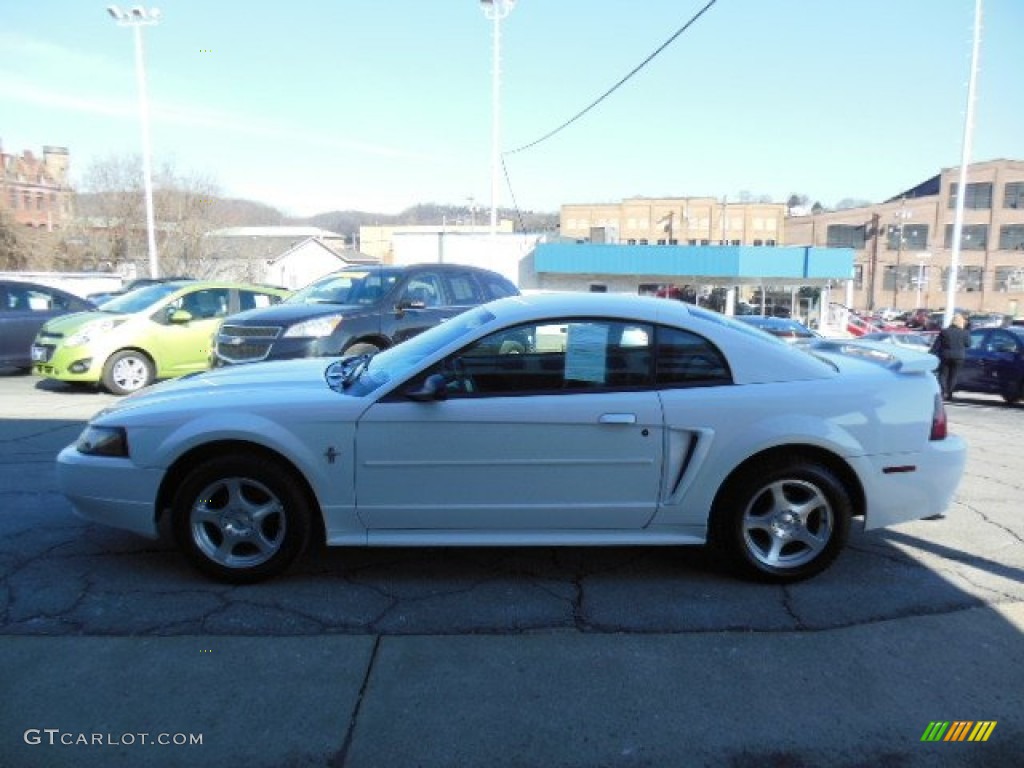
339	758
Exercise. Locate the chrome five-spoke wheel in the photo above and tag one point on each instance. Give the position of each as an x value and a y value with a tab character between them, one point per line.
238	522
788	524
782	520
241	518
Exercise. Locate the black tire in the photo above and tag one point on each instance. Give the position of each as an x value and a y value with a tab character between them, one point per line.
127	371
782	521
362	348
241	518
1014	394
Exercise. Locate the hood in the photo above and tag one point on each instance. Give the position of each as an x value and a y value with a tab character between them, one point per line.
257	386
288	314
65	325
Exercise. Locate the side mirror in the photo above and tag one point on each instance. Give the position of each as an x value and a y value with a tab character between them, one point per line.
405	304
180	316
434	387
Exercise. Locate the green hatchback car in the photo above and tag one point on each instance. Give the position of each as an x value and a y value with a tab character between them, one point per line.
156	332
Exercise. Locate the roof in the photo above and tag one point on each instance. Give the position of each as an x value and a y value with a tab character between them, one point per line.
347	256
275	232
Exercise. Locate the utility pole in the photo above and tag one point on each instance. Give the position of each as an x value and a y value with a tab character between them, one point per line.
875	218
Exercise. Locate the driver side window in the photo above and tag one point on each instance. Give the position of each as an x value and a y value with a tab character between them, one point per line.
425	290
573	356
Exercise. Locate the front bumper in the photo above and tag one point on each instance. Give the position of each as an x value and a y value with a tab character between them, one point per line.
259	350
110	491
70	364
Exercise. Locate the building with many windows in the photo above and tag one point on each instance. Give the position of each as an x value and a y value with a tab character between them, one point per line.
35	191
675	221
903	246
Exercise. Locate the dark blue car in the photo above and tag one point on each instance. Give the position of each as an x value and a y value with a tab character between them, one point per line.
24	307
995	363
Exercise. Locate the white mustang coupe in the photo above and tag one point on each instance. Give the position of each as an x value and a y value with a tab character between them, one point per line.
553	419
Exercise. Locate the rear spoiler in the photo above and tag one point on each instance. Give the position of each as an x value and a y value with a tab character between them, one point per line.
897	359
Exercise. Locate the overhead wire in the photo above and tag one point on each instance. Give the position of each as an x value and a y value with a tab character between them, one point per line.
618	85
597	101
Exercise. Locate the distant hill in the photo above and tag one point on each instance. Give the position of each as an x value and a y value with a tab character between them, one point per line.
237	212
345	222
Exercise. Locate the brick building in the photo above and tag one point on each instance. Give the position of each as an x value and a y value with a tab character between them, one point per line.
35	191
904	245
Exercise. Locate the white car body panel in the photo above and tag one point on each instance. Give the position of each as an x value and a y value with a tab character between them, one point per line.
586	461
608	467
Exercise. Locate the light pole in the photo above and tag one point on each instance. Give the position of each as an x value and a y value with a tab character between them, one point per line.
496	10
965	159
138	18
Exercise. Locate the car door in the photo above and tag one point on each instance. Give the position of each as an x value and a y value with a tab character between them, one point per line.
553	427
422	302
182	345
972	374
24	309
993	364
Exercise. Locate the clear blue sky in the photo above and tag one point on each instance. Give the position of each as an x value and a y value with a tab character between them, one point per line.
314	105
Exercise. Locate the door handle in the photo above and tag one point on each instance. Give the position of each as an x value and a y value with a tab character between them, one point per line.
617	418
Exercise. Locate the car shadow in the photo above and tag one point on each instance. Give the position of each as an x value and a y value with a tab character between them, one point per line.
68	387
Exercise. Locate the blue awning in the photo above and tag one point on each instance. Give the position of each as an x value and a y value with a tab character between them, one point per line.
732	264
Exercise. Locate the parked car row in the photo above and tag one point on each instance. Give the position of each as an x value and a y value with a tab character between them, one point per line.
168	327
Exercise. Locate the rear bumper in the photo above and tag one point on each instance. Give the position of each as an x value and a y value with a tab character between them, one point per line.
909	486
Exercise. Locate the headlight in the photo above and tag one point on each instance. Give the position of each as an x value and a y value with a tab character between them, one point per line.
89	332
103	441
315	328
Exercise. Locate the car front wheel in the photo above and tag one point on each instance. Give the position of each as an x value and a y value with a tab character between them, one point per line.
241	519
783	521
361	348
127	371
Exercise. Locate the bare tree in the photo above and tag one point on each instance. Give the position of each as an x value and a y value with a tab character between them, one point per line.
26	248
12	256
112	204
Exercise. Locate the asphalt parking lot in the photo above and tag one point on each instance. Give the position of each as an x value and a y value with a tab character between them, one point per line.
517	657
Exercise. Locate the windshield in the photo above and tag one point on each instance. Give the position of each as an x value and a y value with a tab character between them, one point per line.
349	287
403	359
140	299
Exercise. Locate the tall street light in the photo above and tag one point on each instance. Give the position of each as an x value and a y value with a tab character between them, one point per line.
496	10
138	18
965	160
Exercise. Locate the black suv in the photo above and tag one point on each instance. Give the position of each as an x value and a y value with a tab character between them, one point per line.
359	310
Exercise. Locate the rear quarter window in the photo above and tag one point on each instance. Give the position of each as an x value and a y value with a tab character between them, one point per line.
685	359
498	287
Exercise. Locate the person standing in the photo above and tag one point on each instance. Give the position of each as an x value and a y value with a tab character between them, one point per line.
951	348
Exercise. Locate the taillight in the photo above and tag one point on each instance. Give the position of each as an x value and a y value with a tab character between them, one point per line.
939	421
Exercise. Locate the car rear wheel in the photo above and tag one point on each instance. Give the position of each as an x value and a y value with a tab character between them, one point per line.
784	521
1014	394
241	519
127	371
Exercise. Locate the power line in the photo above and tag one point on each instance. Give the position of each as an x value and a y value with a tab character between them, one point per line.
512	192
615	87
